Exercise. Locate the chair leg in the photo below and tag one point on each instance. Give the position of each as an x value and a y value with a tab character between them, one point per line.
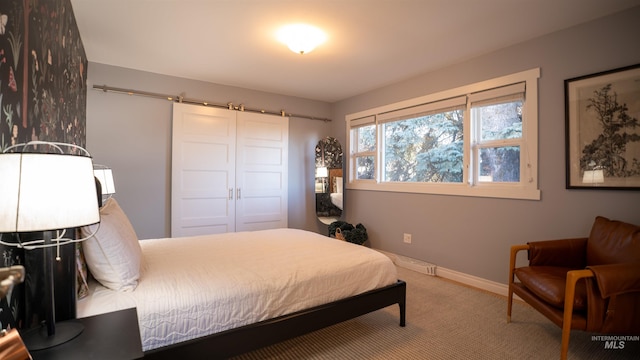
564	346
512	265
569	296
509	303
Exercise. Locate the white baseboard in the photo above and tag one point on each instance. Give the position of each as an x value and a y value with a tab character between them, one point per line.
466	279
474	281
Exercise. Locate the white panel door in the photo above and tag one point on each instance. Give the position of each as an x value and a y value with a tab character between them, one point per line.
261	171
203	170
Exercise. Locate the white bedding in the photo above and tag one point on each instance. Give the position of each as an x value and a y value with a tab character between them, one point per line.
195	286
336	199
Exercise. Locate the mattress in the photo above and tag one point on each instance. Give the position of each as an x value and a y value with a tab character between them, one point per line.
196	286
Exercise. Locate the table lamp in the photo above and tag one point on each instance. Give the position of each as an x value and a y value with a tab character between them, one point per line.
105	176
46	187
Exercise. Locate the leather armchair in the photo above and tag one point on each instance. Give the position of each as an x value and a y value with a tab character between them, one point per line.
590	284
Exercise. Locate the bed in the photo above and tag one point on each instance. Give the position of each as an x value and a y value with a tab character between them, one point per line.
226	294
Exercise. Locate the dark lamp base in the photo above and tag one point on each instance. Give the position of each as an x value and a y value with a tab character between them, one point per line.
37	338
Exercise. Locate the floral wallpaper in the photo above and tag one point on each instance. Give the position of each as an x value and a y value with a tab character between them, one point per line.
12	30
43	71
43	88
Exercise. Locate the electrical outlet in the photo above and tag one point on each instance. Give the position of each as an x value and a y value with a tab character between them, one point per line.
407	238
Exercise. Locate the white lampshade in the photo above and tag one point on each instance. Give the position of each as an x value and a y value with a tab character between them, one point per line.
322	172
105	176
593	177
40	192
301	38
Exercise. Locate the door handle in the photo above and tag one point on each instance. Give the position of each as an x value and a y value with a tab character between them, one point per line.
238	194
230	193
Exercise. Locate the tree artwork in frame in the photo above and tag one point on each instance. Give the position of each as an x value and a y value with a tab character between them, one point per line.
603	130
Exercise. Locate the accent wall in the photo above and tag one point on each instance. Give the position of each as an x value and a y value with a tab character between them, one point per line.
43	71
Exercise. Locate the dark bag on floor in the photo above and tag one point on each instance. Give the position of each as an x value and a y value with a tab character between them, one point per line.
344	231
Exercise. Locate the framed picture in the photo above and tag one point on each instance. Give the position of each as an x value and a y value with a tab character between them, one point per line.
603	130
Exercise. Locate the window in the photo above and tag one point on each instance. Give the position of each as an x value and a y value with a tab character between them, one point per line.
496	121
364	136
478	140
424	144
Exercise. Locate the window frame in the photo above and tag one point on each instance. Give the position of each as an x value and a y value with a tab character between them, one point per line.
353	147
497	96
527	188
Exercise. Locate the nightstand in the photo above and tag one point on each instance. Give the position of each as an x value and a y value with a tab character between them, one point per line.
113	335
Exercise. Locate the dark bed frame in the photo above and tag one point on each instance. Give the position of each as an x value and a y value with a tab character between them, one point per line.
254	336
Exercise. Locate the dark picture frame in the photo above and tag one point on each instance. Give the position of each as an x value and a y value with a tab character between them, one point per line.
602	130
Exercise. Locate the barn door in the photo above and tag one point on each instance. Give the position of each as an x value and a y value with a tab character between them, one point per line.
229	171
203	170
261	171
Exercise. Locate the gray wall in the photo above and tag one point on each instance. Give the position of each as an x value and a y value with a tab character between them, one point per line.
132	134
473	235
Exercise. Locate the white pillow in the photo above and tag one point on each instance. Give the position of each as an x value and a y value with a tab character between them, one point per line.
113	255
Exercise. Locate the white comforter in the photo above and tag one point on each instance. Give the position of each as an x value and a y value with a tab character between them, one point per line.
195	286
336	199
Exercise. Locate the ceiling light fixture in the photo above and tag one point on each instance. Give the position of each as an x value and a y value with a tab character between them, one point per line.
301	38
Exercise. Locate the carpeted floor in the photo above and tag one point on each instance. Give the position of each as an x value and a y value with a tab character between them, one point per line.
445	320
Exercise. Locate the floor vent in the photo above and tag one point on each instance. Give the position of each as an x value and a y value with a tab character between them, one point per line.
416	265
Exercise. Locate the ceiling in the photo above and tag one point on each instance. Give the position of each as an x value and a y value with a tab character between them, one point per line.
372	43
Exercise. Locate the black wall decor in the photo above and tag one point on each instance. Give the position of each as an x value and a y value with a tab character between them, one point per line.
43	72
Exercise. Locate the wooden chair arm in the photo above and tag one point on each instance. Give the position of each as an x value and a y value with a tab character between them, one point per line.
512	259
569	295
512	266
570	290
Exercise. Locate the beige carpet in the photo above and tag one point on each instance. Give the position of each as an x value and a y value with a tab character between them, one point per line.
444	321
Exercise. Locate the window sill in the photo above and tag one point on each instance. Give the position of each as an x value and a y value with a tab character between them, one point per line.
489	191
